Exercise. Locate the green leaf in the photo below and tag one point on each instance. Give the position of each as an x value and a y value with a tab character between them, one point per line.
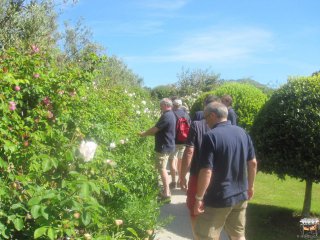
18	224
16	205
49	195
3	164
35	211
64	183
94	187
11	218
55	163
34	201
3	229
85	190
47	164
43	213
86	218
40	232
51	233
69	156
133	232
122	187
9	146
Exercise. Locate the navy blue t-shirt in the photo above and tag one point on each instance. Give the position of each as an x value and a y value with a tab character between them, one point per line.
196	132
232	116
199	115
165	137
226	149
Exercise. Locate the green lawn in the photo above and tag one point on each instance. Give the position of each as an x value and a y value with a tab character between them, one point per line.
275	210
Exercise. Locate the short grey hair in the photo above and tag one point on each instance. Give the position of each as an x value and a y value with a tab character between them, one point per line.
177	102
211	98
166	101
218	108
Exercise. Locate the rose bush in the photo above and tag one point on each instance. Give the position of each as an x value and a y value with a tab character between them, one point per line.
47	189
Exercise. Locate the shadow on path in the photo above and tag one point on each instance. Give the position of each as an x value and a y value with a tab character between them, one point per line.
180	225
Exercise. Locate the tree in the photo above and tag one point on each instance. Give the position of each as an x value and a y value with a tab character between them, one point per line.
113	71
24	23
77	42
190	81
316	73
286	133
164	91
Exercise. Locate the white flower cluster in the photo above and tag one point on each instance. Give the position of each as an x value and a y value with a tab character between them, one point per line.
189	100
87	150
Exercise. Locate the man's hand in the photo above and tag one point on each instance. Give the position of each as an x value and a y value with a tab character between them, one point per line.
141	134
250	193
150	132
198	207
183	183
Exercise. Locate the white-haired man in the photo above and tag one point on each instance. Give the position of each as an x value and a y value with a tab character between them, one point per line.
164	132
176	157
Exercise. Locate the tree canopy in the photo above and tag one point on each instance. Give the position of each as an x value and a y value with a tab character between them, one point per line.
286	130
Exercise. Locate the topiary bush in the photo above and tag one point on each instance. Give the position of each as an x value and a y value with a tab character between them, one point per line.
286	132
247	101
47	189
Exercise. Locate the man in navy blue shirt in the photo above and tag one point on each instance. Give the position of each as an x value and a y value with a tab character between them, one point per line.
232	116
164	132
226	178
209	99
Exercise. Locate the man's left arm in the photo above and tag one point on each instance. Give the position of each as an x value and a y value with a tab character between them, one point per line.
204	179
252	171
150	132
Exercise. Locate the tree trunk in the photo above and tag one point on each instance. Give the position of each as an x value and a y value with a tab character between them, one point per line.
307	199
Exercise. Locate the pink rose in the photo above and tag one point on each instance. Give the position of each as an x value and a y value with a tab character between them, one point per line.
36	75
12	106
35	49
49	114
17	88
46	101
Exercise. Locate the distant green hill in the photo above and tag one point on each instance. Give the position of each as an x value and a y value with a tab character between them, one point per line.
264	88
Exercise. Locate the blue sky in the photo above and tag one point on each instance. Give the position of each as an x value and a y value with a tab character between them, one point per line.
265	40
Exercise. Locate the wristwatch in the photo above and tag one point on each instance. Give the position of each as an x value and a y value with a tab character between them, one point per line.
198	198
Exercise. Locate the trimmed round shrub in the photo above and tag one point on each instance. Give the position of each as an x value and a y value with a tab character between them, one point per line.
247	101
286	130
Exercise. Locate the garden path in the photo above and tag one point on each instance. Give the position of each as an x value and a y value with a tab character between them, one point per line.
180	227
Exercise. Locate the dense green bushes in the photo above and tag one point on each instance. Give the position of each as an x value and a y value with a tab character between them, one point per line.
247	101
46	188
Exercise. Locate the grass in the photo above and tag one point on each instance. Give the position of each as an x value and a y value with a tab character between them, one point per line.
275	210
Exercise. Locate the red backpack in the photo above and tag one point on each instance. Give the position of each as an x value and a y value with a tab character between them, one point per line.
182	129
